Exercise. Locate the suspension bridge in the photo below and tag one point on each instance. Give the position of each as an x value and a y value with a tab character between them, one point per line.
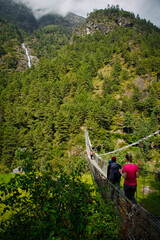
137	223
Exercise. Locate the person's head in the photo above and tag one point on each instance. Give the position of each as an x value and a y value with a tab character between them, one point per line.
129	157
113	159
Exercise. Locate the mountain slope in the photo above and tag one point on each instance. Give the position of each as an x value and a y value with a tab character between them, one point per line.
46	41
52	19
23	17
18	14
105	78
74	19
108	19
71	20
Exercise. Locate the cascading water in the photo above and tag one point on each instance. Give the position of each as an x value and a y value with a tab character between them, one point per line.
28	56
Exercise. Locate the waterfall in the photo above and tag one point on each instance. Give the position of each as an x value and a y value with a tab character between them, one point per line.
28	56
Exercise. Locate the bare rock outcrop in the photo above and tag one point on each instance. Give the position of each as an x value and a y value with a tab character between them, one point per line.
123	22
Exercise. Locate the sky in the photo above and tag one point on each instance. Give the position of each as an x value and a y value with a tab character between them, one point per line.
147	9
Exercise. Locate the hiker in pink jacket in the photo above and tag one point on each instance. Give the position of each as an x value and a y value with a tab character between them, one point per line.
130	173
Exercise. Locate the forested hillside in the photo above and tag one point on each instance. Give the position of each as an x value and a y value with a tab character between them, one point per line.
104	76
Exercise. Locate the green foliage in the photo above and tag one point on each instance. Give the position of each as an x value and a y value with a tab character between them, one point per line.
8	31
37	205
150	200
127	104
107	80
150	101
48	40
24	159
5	178
116	70
137	98
2	51
128	122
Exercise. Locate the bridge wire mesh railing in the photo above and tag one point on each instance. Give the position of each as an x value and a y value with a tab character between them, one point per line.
137	223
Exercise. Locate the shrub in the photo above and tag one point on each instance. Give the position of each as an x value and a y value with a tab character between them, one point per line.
40	206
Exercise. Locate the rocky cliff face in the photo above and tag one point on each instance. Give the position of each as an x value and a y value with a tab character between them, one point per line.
90	27
105	26
74	19
121	21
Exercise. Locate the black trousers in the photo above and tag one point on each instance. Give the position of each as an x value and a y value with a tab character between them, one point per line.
130	191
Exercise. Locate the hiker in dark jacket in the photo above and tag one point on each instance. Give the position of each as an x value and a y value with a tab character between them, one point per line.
91	154
109	167
114	175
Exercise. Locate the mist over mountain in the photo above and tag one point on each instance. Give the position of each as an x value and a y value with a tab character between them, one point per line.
21	15
70	20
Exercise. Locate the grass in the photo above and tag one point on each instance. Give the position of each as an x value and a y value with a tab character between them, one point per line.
5	178
151	201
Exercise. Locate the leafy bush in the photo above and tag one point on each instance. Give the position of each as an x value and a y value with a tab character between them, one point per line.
39	206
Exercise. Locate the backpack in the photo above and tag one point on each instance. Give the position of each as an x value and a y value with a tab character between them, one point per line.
114	174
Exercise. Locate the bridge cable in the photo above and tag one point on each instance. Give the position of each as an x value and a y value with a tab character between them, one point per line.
135	143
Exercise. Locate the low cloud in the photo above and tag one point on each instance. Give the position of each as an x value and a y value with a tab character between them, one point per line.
145	8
